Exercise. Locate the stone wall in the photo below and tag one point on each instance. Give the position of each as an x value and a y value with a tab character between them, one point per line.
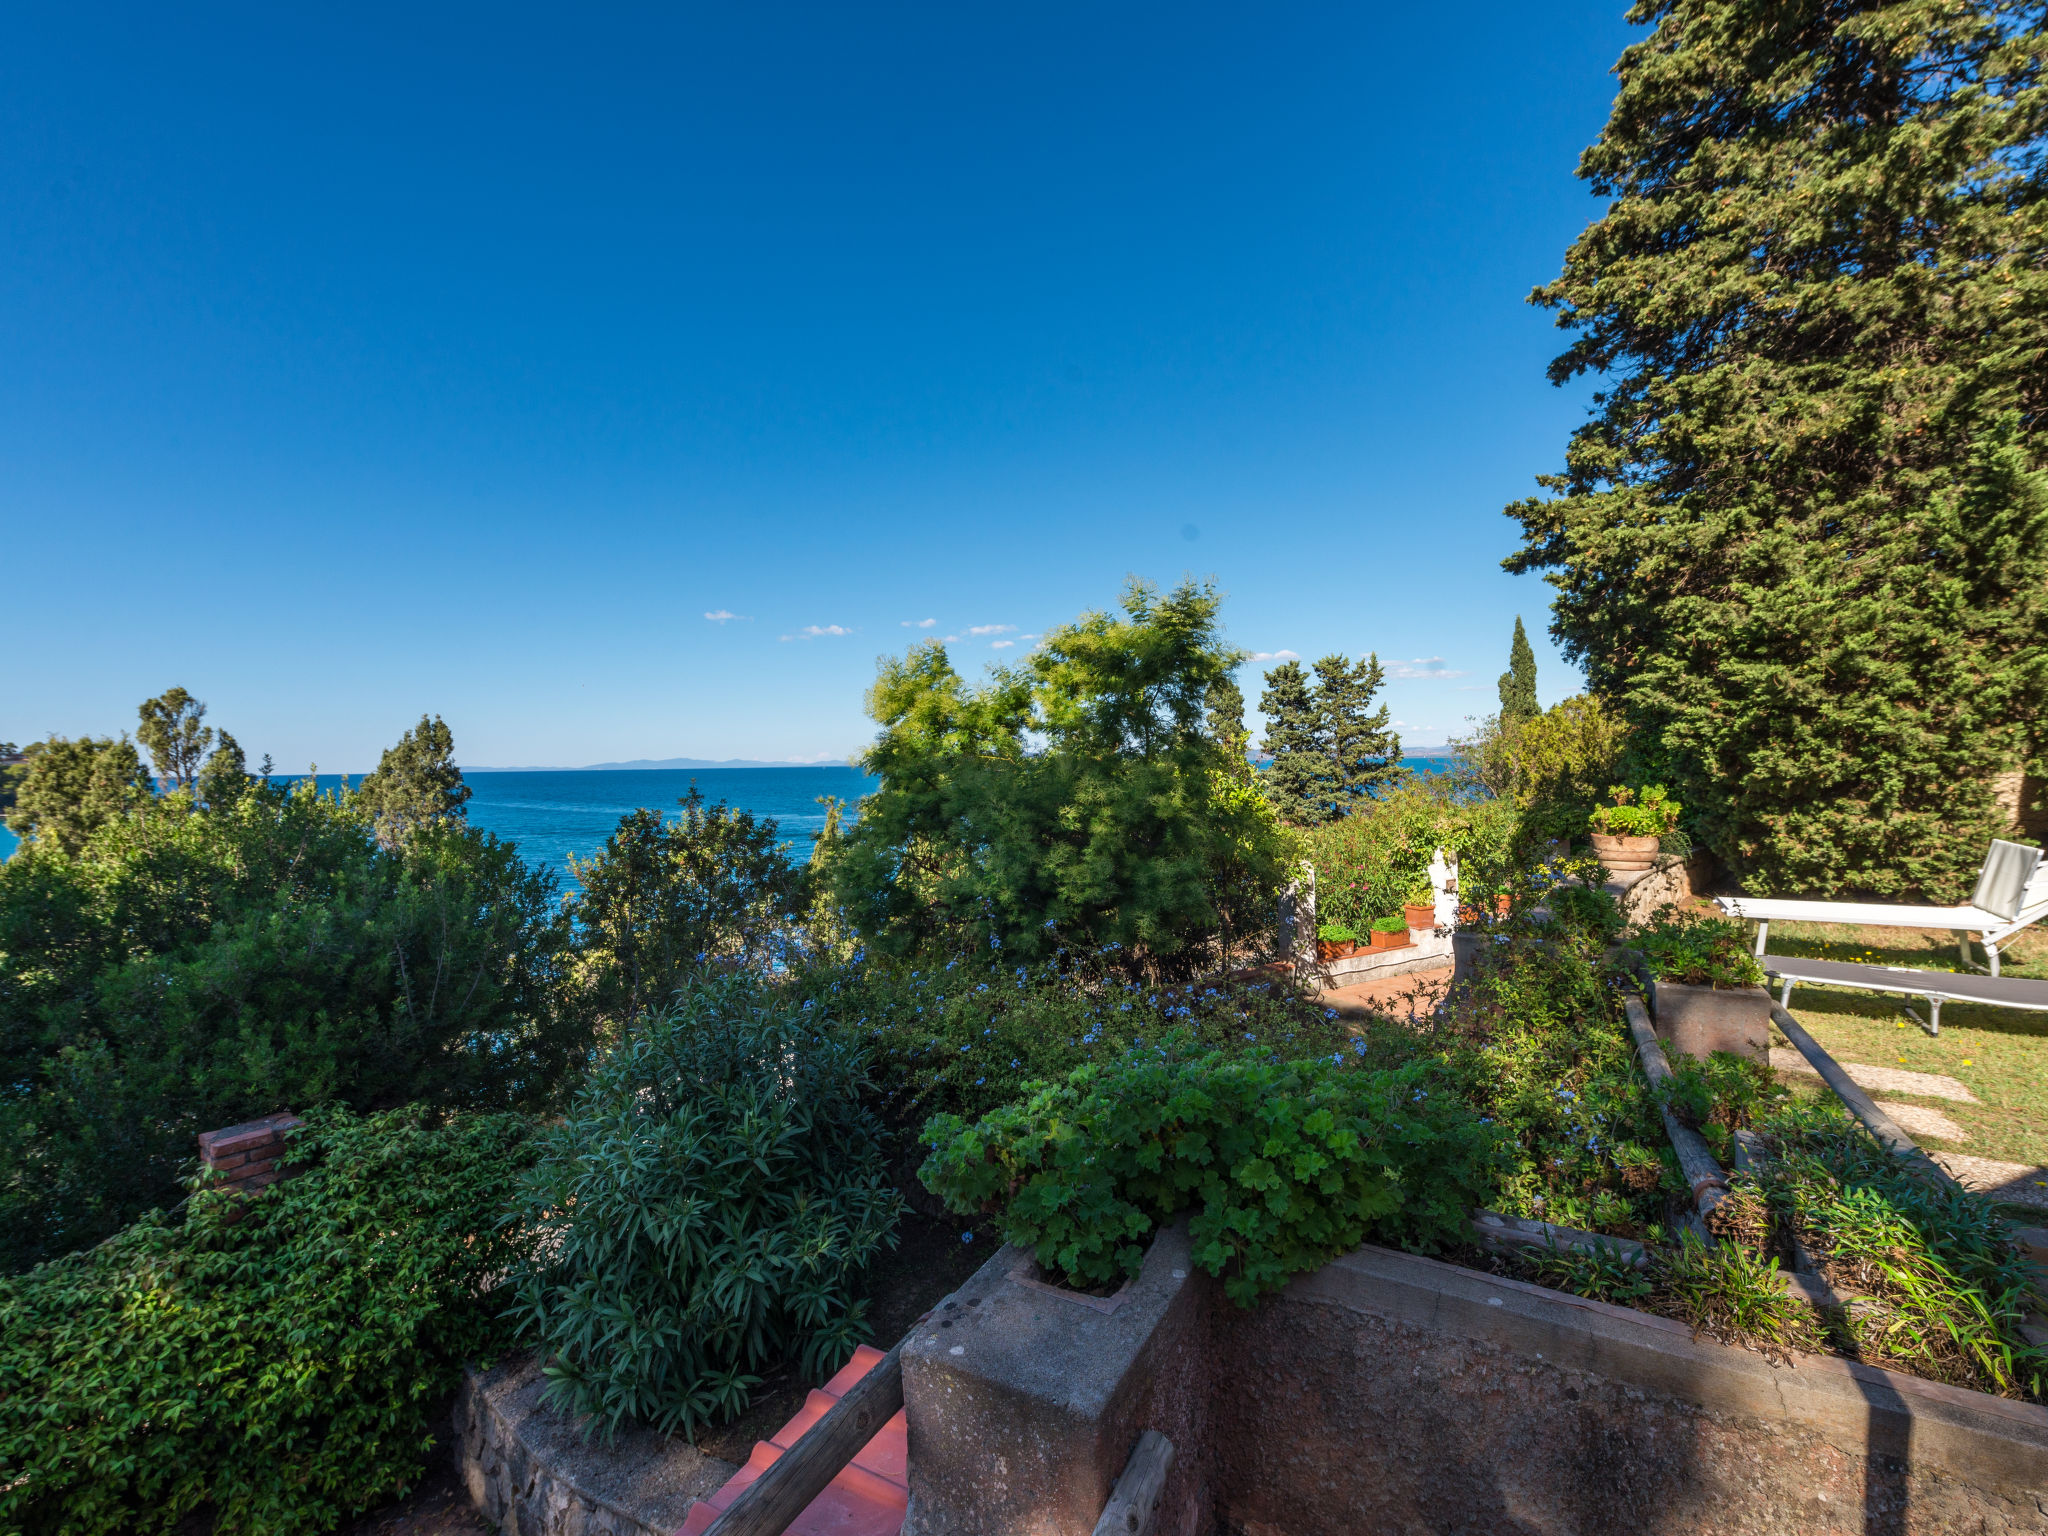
530	1471
1387	1392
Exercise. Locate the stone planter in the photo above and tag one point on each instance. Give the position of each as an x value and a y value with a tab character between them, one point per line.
1702	1020
1390	940
1620	855
1420	916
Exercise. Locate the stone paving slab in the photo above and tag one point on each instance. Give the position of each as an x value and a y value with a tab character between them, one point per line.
1919	1120
1926	1085
2009	1183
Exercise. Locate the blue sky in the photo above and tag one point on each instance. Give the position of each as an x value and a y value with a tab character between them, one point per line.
365	362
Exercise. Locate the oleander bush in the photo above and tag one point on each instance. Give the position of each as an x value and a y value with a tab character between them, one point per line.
1281	1165
278	1372
705	1210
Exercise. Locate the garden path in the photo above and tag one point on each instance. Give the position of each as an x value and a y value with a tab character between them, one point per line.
1410	995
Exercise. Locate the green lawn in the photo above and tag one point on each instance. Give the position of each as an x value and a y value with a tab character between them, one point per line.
2000	1054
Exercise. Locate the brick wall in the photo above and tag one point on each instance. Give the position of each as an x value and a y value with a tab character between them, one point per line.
249	1156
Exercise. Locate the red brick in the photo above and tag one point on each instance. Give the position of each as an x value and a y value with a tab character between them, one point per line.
258	1181
224	1164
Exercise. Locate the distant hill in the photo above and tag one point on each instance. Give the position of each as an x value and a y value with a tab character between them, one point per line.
657	762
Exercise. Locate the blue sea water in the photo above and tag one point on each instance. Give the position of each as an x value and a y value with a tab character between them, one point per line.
552	814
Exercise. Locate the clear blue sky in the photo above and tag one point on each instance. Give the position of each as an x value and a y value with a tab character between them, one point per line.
362	362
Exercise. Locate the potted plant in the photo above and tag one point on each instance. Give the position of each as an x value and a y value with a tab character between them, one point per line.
1706	988
1335	941
1420	907
1626	833
1390	933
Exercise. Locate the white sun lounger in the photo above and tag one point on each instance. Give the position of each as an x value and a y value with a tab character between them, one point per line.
1937	987
2011	894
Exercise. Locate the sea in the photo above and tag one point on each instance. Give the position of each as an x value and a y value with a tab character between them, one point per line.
552	813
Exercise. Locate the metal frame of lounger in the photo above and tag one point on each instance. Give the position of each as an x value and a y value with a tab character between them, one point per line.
1937	987
1992	928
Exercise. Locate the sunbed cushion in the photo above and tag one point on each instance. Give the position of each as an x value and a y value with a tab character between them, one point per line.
2002	887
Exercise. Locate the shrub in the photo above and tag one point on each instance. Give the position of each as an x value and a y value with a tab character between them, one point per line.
1368	863
705	1210
1650	814
964	1037
1285	1165
191	968
282	1369
1699	951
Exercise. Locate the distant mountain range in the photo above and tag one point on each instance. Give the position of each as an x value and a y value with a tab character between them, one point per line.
660	762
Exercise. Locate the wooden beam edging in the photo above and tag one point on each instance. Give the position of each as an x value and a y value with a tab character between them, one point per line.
1133	1505
1860	1104
1696	1161
768	1504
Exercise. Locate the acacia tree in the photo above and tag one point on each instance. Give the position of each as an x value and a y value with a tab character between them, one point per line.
1801	542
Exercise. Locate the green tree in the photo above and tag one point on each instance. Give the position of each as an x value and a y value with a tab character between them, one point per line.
1076	799
416	783
67	788
1518	683
1332	750
173	732
1226	726
665	897
225	775
1801	541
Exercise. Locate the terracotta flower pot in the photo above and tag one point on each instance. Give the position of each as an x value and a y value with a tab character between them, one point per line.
1326	950
1390	940
1421	917
1620	855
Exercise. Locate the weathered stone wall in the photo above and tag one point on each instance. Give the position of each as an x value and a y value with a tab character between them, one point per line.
530	1472
1387	1392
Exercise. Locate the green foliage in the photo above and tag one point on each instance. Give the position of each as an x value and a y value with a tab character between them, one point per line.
67	789
282	1369
964	1036
1077	799
1551	764
172	732
1390	925
705	1210
664	897
416	783
1802	542
1368	863
1284	1165
1333	753
1699	951
1948	1288
1336	933
192	968
1518	683
224	777
1653	813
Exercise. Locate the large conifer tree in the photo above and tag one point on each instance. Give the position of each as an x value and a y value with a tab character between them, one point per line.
1518	683
1802	541
1332	750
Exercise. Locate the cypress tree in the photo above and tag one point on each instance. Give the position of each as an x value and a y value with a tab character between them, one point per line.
1518	683
1801	541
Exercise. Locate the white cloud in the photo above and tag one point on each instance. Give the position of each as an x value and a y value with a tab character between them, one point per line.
1421	666
919	623
724	615
990	629
1274	656
816	631
997	645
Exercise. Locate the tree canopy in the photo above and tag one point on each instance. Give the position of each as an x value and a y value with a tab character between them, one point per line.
416	783
1080	796
1332	749
1518	683
1802	541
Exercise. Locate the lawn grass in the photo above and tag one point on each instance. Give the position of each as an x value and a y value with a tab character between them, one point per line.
2000	1054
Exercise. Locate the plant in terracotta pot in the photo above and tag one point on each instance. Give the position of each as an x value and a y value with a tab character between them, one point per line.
1626	833
1419	906
1335	941
1706	988
1390	933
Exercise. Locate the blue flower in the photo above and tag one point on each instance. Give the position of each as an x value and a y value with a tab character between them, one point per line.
1249	1035
964	1050
979	1081
966	1237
